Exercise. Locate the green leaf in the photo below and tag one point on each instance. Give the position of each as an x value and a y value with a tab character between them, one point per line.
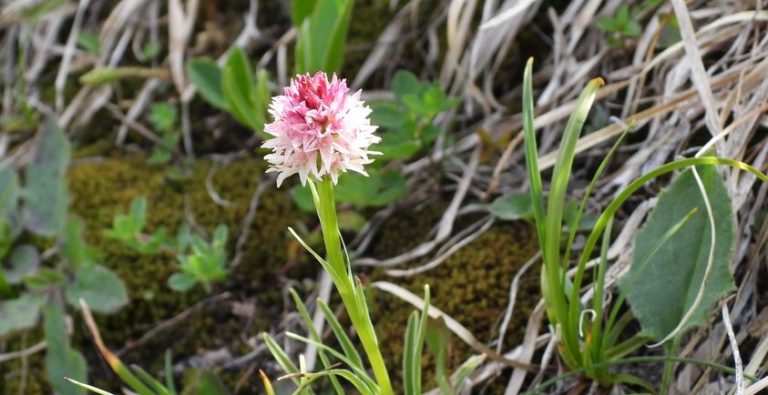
206	75
405	83
393	186
220	236
281	357
400	143
315	336
138	213
150	51
414	343
435	100
202	382
44	278
437	338
571	214
670	33
238	89
668	271
19	314
322	36
9	192
375	190
350	352
513	207
24	261
6	238
183	237
632	29
101	288
465	370
262	97
416	105
46	191
302	196
181	282
61	361
74	247
350	220
89	42
300	9
386	115
34	10
163	117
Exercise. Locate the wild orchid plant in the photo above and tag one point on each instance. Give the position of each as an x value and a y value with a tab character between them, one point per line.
319	131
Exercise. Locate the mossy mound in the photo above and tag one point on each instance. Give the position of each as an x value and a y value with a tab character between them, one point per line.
101	188
472	286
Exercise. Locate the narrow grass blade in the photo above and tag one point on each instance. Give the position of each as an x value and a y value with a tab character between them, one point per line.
154	384
280	356
169	373
625	348
531	151
327	266
351	377
341	336
465	370
437	341
590	188
315	336
409	377
359	372
414	343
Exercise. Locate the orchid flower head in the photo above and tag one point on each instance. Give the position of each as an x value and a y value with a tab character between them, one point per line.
319	130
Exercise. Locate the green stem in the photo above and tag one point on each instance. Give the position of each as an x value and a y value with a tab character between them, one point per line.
669	365
351	293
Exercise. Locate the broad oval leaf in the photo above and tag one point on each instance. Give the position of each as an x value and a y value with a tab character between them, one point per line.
61	361
672	252
405	83
513	207
101	288
23	262
21	313
9	192
181	282
237	85
205	74
45	191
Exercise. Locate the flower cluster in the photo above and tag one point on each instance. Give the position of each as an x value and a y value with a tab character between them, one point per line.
319	130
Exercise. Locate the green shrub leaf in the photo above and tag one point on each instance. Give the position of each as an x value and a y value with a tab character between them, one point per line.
61	361
21	313
9	192
405	83
24	262
181	282
101	288
513	207
668	268
46	191
238	89
205	74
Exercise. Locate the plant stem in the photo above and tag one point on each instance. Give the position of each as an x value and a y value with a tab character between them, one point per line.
351	293
669	365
